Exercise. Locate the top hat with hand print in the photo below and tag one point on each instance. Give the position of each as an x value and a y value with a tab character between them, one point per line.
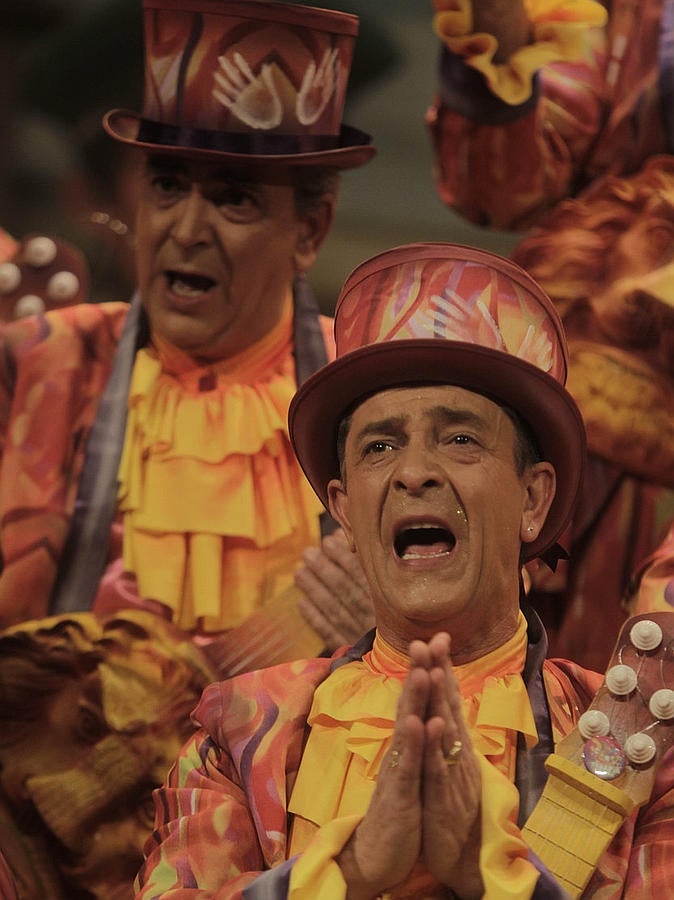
439	313
251	81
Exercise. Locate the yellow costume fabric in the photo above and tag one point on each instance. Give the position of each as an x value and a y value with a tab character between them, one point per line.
216	552
346	746
558	31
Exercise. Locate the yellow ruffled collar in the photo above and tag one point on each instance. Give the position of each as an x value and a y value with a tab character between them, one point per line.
354	711
216	509
352	720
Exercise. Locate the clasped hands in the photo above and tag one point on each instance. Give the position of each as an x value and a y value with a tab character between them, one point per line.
426	803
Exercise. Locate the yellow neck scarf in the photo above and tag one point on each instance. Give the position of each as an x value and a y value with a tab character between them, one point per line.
216	510
352	720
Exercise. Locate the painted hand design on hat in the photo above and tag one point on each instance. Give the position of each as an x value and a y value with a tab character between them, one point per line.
252	98
464	320
318	86
259	81
536	346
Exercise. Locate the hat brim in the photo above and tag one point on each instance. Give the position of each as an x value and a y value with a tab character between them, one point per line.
542	402
352	148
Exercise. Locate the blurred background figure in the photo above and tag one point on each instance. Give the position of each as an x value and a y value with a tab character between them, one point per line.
535	101
607	259
552	120
113	698
145	454
65	175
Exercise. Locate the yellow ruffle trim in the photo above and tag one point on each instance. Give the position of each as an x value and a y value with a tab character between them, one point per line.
352	720
558	31
216	509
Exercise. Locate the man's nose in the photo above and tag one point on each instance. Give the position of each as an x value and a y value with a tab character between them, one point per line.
192	221
417	470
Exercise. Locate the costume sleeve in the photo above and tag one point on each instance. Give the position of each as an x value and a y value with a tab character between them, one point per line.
221	818
53	370
650	872
638	862
204	844
653	584
509	139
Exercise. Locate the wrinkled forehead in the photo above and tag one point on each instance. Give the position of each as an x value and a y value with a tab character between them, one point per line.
429	403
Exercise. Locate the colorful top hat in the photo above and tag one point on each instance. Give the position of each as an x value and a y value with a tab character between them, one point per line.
442	313
246	80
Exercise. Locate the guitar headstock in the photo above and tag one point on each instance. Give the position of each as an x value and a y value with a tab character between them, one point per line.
43	273
629	725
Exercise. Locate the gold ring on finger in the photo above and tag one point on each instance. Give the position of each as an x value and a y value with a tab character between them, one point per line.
395	759
454	754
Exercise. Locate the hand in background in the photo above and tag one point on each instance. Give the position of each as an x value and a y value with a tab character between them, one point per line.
336	601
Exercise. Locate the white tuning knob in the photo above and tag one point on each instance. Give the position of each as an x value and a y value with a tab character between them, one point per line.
10	277
621	680
40	252
640	748
646	635
661	704
28	305
63	287
593	723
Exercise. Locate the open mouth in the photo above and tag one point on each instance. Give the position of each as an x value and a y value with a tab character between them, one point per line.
423	542
188	284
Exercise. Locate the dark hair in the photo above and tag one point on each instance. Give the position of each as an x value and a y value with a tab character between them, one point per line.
527	452
311	184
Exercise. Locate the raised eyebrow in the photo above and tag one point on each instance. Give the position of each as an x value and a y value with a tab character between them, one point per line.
390	425
446	416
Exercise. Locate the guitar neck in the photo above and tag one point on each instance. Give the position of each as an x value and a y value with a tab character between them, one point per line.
605	768
574	822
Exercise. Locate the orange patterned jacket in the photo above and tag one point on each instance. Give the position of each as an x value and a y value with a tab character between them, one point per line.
221	820
53	370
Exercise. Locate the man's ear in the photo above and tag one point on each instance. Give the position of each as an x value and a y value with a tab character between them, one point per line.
338	504
541	483
315	227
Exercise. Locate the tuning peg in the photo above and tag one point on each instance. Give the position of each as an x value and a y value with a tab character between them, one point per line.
621	680
661	704
593	723
640	748
646	635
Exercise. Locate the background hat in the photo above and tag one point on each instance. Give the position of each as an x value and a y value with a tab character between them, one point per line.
248	80
443	313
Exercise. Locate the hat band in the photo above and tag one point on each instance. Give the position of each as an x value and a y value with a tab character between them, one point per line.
249	143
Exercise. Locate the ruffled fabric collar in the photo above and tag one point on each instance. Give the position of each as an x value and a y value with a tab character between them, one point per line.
220	431
559	32
354	711
352	720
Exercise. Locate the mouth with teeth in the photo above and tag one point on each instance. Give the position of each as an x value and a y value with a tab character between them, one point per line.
188	285
423	542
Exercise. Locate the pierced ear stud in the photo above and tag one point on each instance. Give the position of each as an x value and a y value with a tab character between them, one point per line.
530	528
